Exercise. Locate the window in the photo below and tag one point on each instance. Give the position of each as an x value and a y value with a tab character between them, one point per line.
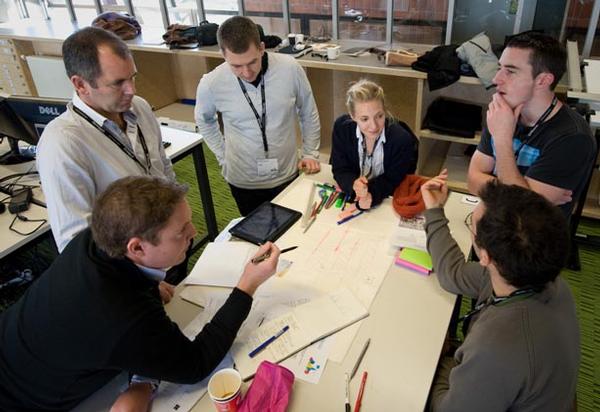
314	17
420	21
267	13
362	19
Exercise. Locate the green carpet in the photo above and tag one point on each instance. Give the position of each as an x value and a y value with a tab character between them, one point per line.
585	284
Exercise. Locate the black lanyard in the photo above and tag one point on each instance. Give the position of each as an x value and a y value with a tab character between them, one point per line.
541	120
519	294
119	144
365	156
262	121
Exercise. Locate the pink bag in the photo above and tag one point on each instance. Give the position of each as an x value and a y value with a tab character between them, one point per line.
270	390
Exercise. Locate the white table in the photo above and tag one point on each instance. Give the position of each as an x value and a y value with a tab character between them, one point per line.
182	144
407	325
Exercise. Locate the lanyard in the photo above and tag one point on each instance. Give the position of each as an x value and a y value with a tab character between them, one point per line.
262	121
518	294
119	144
369	156
541	120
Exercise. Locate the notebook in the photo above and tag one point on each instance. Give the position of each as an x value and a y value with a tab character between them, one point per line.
415	259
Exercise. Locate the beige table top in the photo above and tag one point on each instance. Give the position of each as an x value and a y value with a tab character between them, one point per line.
407	325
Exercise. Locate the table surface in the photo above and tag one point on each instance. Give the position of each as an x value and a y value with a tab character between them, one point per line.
407	326
181	142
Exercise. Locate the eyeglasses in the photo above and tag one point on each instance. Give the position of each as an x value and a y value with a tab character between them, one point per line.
469	223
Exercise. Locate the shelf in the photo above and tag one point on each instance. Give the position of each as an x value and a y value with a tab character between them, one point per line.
592	208
458	166
430	134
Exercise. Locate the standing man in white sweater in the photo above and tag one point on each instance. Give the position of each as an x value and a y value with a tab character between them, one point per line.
259	97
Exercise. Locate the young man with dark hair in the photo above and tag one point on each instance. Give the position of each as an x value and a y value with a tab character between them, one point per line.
97	311
106	133
259	96
532	139
521	348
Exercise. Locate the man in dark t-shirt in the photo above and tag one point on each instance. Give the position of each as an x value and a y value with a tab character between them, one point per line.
532	139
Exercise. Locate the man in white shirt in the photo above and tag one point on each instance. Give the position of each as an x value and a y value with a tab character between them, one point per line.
259	96
106	133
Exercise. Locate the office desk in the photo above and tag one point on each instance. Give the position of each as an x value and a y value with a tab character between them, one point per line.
407	326
182	144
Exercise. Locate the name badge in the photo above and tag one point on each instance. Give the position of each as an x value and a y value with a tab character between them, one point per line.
267	167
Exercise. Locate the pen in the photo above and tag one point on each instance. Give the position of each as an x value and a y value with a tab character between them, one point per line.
266	255
347	394
344	220
346	197
361	390
360	358
266	343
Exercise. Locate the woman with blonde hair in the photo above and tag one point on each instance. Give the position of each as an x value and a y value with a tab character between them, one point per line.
371	152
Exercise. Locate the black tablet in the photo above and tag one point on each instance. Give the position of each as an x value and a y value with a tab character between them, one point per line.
266	223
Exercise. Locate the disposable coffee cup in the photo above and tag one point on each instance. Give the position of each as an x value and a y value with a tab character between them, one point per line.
292	39
299	38
333	52
225	390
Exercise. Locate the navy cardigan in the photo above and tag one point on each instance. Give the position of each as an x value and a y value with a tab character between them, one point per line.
400	153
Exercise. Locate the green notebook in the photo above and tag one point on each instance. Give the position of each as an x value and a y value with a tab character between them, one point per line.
416	257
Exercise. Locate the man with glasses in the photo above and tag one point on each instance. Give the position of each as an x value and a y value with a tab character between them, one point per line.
261	97
532	139
106	133
521	346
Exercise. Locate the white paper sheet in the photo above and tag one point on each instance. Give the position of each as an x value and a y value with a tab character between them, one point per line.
307	324
221	264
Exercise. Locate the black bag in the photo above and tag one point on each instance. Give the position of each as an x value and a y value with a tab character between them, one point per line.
453	118
207	33
182	36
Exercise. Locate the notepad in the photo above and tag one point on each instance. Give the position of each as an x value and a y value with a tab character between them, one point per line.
221	264
308	324
415	259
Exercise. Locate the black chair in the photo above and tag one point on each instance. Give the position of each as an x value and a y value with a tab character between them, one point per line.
579	238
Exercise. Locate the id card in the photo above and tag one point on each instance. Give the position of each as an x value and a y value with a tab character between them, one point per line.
267	167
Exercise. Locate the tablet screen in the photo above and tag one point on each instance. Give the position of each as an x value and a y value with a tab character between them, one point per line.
266	223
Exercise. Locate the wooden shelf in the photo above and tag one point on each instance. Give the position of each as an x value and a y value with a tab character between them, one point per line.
592	208
430	134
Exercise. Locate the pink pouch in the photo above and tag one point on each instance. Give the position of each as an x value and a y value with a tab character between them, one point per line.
270	390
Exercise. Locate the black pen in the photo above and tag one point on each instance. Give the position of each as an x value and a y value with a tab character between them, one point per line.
360	358
266	255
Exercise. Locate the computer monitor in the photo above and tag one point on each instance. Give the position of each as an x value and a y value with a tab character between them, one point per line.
24	118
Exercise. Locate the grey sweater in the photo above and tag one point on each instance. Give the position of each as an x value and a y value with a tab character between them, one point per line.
288	98
520	356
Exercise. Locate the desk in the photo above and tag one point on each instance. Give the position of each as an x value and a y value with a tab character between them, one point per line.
182	144
405	341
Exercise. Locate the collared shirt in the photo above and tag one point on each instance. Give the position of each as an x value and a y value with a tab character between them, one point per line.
77	162
372	166
154	274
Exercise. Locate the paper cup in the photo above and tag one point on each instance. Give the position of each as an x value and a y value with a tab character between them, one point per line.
225	390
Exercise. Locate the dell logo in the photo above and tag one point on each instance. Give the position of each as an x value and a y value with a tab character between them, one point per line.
49	110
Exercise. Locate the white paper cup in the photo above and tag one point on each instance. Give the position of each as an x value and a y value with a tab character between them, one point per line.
225	390
299	38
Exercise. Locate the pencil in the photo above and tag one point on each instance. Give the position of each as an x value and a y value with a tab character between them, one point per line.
360	358
361	390
267	254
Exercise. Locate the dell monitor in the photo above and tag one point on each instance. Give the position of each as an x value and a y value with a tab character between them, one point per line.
24	118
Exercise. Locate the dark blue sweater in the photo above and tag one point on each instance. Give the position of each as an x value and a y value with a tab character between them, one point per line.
400	153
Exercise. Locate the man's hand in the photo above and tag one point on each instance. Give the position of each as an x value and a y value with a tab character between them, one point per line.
361	187
309	166
435	191
502	120
166	291
255	274
136	398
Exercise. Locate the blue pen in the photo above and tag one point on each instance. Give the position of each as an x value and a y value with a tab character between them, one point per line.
344	220
266	343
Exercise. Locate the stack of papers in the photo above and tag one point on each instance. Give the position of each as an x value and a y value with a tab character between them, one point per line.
410	233
221	264
415	259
